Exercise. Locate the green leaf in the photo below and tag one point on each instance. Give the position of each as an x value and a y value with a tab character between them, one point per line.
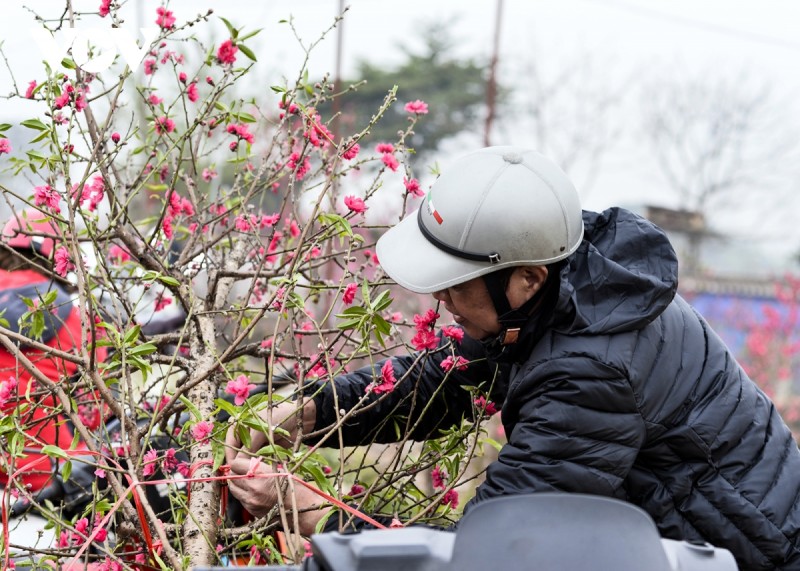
247	51
245	117
4	127
228	407
68	63
231	30
250	35
168	281
132	334
278	89
143	349
192	408
49	297
219	456
66	470
54	451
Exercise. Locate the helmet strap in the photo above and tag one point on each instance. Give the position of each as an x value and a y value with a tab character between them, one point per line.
511	320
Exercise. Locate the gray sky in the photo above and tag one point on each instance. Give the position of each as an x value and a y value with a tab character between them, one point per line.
718	35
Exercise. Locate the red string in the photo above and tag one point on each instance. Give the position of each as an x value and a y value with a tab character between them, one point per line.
224	470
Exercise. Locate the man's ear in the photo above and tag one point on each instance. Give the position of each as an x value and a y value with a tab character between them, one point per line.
533	277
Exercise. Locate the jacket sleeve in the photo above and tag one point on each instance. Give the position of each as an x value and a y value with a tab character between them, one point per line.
425	398
572	425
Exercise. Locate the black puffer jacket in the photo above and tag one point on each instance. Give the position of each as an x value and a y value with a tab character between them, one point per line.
626	392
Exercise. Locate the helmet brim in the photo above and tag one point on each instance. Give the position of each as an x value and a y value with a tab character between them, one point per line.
417	265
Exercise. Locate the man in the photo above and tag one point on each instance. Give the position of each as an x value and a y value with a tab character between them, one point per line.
611	384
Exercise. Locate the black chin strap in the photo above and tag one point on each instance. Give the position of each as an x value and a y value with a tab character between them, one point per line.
511	320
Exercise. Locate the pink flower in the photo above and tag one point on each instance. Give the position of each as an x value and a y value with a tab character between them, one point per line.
191	92
100	473
450	362
390	161
5	146
202	430
241	132
450	498
300	168
294	229
115	137
388	380
162	301
150	463
412	187
100	535
438	477
166	226
396	317
385	148
355	490
165	18
452	332
149	66
349	293
62	100
209	174
240	388
164	124
182	77
355	204
426	320
424	339
31	88
488	406
8	388
351	152
418	107
63	263
105	8
47	196
226	54
154	99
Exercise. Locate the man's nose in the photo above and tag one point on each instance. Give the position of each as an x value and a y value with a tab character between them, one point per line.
440	295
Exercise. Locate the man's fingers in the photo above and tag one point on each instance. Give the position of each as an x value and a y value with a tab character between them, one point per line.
232	444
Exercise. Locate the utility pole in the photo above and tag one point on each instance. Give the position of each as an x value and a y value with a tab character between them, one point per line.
491	86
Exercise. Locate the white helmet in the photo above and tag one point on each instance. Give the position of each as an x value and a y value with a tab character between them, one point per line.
494	208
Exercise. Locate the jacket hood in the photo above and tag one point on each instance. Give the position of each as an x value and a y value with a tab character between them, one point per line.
623	275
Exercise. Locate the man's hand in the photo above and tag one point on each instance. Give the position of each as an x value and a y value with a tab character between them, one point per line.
259	495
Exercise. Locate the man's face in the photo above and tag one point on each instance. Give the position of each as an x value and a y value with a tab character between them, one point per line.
472	307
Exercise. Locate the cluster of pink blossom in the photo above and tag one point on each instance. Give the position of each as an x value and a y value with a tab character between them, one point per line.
82	532
165	19
118	255
387	155
92	193
320	370
439	478
242	134
48	197
105	8
351	152
240	388
71	96
163	300
388	380
349	293
487	406
292	109
177	206
226	54
5	146
164	124
425	338
417	107
202	430
298	167
209	174
315	131
169	463
31	88
412	187
8	390
454	362
355	204
63	262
